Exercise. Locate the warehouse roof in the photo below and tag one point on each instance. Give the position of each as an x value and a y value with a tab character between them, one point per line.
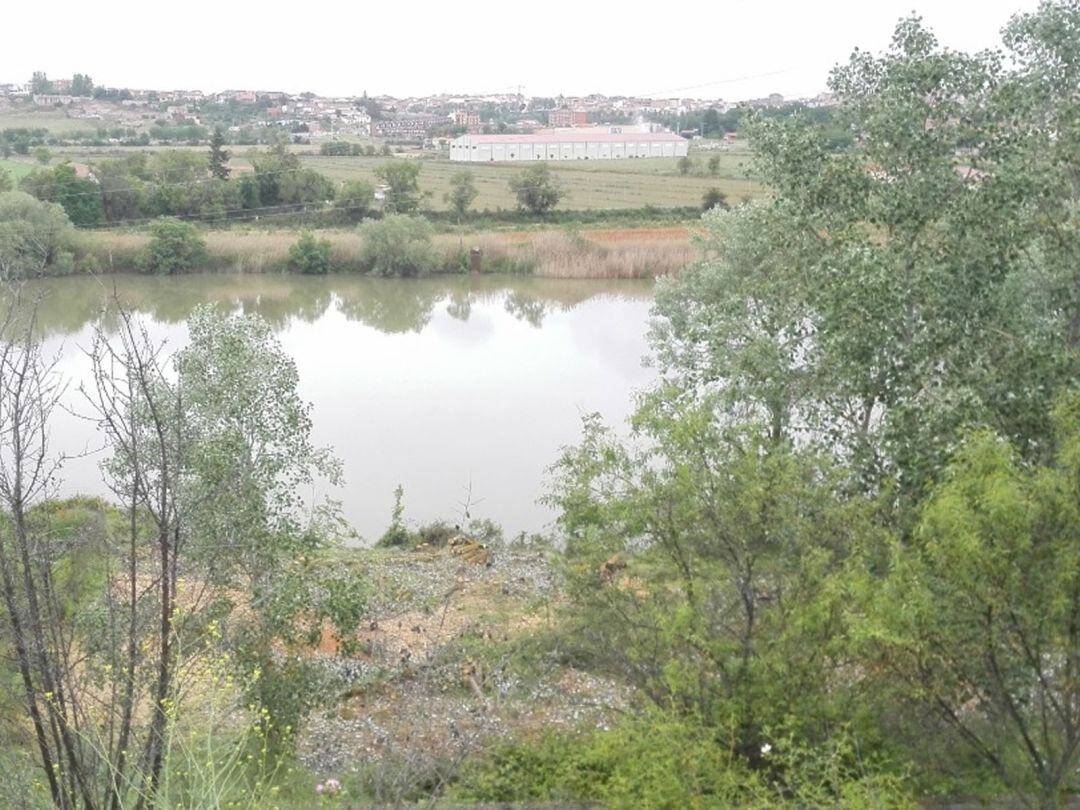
578	136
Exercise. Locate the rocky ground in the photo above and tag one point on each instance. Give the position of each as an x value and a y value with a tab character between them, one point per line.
458	652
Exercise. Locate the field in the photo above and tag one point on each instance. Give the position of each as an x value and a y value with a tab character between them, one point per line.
17	168
590	185
55	120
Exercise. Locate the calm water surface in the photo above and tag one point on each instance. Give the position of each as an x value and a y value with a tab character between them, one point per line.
439	385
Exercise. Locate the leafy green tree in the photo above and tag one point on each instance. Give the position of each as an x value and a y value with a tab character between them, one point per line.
536	189
398	245
699	566
714	165
42	155
355	200
40	83
901	261
80	198
82	85
251	530
710	123
462	192
271	169
684	164
310	255
713	198
174	247
35	237
6	183
219	156
979	616
403	192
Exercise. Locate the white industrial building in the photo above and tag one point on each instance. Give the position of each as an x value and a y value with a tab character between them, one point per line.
569	144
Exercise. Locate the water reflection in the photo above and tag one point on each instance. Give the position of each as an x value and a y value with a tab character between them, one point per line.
388	305
430	383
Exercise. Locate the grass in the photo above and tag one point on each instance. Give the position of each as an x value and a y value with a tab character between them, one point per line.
17	168
57	121
590	185
596	253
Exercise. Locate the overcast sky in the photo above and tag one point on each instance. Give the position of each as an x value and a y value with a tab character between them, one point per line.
732	50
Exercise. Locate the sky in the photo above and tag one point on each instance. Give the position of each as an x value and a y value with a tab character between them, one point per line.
735	50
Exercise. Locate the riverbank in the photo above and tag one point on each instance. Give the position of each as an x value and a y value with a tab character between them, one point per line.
598	253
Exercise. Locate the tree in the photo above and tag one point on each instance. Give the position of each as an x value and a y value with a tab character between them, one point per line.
398	245
714	165
219	156
35	237
710	123
310	255
6	183
537	191
42	155
355	199
898	268
174	247
403	193
40	83
684	165
979	617
699	562
713	198
82	85
462	192
80	197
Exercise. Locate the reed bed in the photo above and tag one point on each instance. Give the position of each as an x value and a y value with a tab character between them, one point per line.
626	253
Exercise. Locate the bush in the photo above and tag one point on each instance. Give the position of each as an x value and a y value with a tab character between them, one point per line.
310	255
174	247
536	189
398	245
35	237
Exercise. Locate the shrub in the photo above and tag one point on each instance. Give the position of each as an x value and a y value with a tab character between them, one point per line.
35	237
398	245
310	255
713	198
174	247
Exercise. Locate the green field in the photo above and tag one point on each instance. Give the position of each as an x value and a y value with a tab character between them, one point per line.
589	185
17	168
56	120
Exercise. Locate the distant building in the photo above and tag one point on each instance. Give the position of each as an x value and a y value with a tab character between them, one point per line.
464	118
568	118
407	127
607	144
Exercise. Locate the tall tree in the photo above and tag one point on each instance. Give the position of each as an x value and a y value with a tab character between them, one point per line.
219	155
462	192
536	189
403	188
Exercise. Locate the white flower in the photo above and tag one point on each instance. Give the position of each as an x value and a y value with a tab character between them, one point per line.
765	749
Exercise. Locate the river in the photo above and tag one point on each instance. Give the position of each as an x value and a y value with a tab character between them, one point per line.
459	389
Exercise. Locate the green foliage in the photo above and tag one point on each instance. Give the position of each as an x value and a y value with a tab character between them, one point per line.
355	200
403	192
396	534
174	247
219	156
42	155
462	192
713	198
702	566
60	184
398	245
310	255
659	762
685	165
35	237
6	183
536	189
979	616
911	283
